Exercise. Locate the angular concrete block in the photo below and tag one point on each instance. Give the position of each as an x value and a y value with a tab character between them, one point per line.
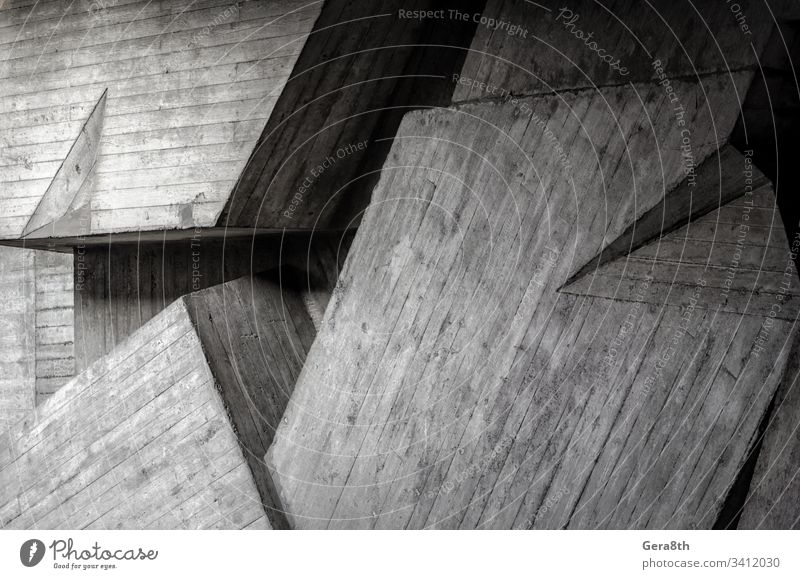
169	429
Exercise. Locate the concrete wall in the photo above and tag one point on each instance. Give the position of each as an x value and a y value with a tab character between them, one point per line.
256	332
480	363
739	251
773	496
36	316
119	287
169	429
55	334
453	385
549	51
17	320
190	85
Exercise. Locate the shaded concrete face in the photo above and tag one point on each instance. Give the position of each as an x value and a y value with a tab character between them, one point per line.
119	287
771	117
364	66
586	44
256	333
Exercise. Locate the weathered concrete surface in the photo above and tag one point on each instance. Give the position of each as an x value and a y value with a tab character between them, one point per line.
169	429
256	332
120	286
722	177
58	211
190	86
17	335
734	259
55	322
451	385
36	329
550	51
363	66
139	440
773	500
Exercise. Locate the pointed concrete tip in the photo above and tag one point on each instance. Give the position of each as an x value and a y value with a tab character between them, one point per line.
717	181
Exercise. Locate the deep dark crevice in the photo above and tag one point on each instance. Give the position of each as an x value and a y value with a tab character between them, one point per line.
350	87
427	82
229	321
770	122
737	495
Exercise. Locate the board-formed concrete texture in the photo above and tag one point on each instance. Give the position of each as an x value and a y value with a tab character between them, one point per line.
139	440
54	326
36	329
403	264
549	50
734	258
67	200
468	391
365	64
185	87
256	333
18	321
155	117
773	500
119	287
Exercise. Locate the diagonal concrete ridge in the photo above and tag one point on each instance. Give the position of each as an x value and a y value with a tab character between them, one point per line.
182	410
73	224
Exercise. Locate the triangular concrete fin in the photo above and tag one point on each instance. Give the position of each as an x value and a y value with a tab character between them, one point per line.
735	258
65	190
718	180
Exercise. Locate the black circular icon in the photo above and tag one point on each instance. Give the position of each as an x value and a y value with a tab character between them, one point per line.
31	552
